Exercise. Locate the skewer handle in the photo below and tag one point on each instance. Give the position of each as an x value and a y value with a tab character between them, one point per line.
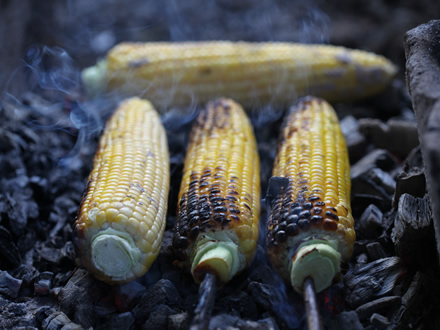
207	292
312	311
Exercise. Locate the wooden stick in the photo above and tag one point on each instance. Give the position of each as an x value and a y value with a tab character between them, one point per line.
312	311
207	292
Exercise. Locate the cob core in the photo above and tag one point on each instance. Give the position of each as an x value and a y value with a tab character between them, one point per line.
219	200
310	227
253	74
121	220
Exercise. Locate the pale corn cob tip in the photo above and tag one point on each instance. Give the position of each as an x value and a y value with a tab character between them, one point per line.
253	74
310	227
121	219
218	211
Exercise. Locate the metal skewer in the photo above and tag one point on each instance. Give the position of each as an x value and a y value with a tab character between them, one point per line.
207	291
312	311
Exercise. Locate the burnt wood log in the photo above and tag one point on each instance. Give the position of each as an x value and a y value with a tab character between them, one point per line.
422	51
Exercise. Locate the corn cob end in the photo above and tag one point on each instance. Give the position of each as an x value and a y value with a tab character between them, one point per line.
94	78
320	261
114	253
220	258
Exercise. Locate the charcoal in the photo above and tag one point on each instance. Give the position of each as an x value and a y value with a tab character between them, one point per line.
128	295
163	292
422	73
78	297
10	257
178	321
382	304
378	158
9	285
356	142
43	283
223	321
121	321
158	318
237	301
345	320
375	251
379	321
372	280
370	224
397	136
374	182
411	179
59	320
413	226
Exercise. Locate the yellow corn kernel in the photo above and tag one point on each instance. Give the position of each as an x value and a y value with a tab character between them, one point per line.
310	228
179	74
219	200
116	218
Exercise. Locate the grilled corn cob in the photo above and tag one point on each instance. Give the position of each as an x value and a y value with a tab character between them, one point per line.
310	228
219	200
121	220
177	74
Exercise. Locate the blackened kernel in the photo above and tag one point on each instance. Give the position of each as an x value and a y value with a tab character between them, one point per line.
316	210
214	191
193	182
194	232
193	213
276	228
331	208
193	220
234	217
220	209
233	210
247	206
297	210
282	225
304	224
329	224
331	215
233	192
281	236
205	215
285	215
292	218
319	203
314	198
180	242
295	204
218	203
307	205
305	214
316	219
231	198
217	199
219	217
292	229
180	254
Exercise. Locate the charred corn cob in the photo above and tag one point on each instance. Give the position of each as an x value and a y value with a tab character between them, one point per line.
177	74
121	220
310	228
219	200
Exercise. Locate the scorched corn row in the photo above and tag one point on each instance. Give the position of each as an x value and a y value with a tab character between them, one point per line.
253	74
219	200
310	228
121	220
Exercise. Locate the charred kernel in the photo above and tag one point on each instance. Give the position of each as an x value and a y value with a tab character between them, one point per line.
219	217
319	203
233	192
217	199
232	210
305	214
247	206
295	204
297	210
231	198
329	224
281	236
292	229
193	220
180	242
304	224
331	215
292	218
220	209
234	217
214	191
316	219
282	225
316	210
194	232
307	205
314	198
180	254
204	184
332	209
